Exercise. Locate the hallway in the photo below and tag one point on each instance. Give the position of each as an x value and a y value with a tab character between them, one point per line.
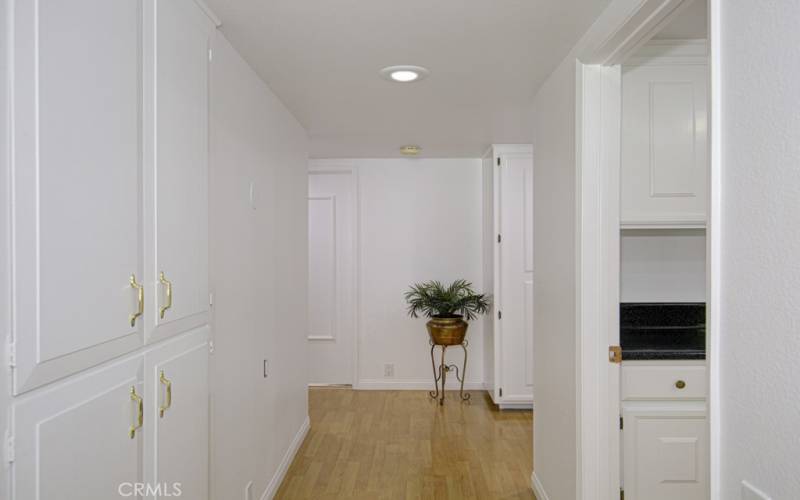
401	444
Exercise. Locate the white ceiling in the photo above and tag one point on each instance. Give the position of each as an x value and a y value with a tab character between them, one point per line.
486	57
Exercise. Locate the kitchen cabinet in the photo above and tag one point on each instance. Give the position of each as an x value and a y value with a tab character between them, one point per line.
176	430
79	438
176	194
664	154
665	430
109	189
508	274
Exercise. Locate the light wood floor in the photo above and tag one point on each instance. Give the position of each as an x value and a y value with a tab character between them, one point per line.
402	445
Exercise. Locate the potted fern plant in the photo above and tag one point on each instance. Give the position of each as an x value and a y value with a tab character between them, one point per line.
447	307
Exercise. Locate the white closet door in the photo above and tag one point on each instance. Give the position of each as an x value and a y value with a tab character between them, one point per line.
176	449
76	184
73	440
178	209
516	282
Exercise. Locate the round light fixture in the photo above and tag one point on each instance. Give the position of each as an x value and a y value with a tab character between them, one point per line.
404	73
410	150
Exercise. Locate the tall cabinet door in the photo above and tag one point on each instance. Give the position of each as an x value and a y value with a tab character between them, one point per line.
516	277
177	178
75	439
76	169
176	441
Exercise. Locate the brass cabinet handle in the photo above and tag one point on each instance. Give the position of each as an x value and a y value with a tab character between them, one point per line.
140	417
168	401
140	295
164	281
680	384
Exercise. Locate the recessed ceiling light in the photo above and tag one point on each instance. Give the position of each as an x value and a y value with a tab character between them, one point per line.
410	150
404	73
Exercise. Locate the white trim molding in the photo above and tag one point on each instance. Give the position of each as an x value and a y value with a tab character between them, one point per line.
538	488
286	461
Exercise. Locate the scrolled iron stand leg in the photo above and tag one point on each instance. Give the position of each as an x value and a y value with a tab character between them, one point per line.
441	374
436	376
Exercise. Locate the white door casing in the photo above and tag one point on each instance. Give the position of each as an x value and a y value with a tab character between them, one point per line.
76	175
332	299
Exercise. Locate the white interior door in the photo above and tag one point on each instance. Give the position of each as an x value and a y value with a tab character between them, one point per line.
179	208
76	185
177	434
516	282
331	276
73	440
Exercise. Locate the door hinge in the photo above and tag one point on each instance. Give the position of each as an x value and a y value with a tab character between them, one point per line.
614	354
211	299
210	55
10	448
498	161
499	314
501	392
499	238
621	422
11	354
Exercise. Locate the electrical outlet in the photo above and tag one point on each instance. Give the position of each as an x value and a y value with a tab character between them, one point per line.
388	370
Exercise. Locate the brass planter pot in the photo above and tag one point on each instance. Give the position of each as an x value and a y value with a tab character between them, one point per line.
447	331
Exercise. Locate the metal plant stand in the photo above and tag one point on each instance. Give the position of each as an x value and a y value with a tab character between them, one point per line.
444	369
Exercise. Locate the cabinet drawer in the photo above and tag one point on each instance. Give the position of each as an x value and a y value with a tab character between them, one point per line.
664	382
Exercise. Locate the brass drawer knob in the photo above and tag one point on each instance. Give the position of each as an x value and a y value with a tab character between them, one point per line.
680	384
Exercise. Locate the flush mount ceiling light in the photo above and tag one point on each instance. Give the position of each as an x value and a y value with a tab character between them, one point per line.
410	150
404	74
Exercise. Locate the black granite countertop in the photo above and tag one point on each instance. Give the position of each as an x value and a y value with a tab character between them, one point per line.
662	330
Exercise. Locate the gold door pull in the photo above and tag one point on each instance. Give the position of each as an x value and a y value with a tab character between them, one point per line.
140	413
167	283
140	297
168	399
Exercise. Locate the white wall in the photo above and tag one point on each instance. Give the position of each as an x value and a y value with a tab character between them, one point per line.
663	265
419	219
5	240
760	295
554	339
258	274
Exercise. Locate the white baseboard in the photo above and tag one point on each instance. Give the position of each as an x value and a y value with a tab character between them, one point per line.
388	384
537	487
286	461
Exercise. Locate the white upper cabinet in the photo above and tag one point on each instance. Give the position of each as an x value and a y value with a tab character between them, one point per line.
177	178
664	136
76	173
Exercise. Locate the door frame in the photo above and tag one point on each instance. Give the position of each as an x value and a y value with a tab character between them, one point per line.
622	29
343	167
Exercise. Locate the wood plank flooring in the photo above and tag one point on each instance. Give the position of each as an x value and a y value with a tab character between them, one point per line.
403	445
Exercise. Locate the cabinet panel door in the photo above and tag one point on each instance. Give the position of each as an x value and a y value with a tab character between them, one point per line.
516	277
666	455
176	449
72	440
178	180
664	144
76	184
